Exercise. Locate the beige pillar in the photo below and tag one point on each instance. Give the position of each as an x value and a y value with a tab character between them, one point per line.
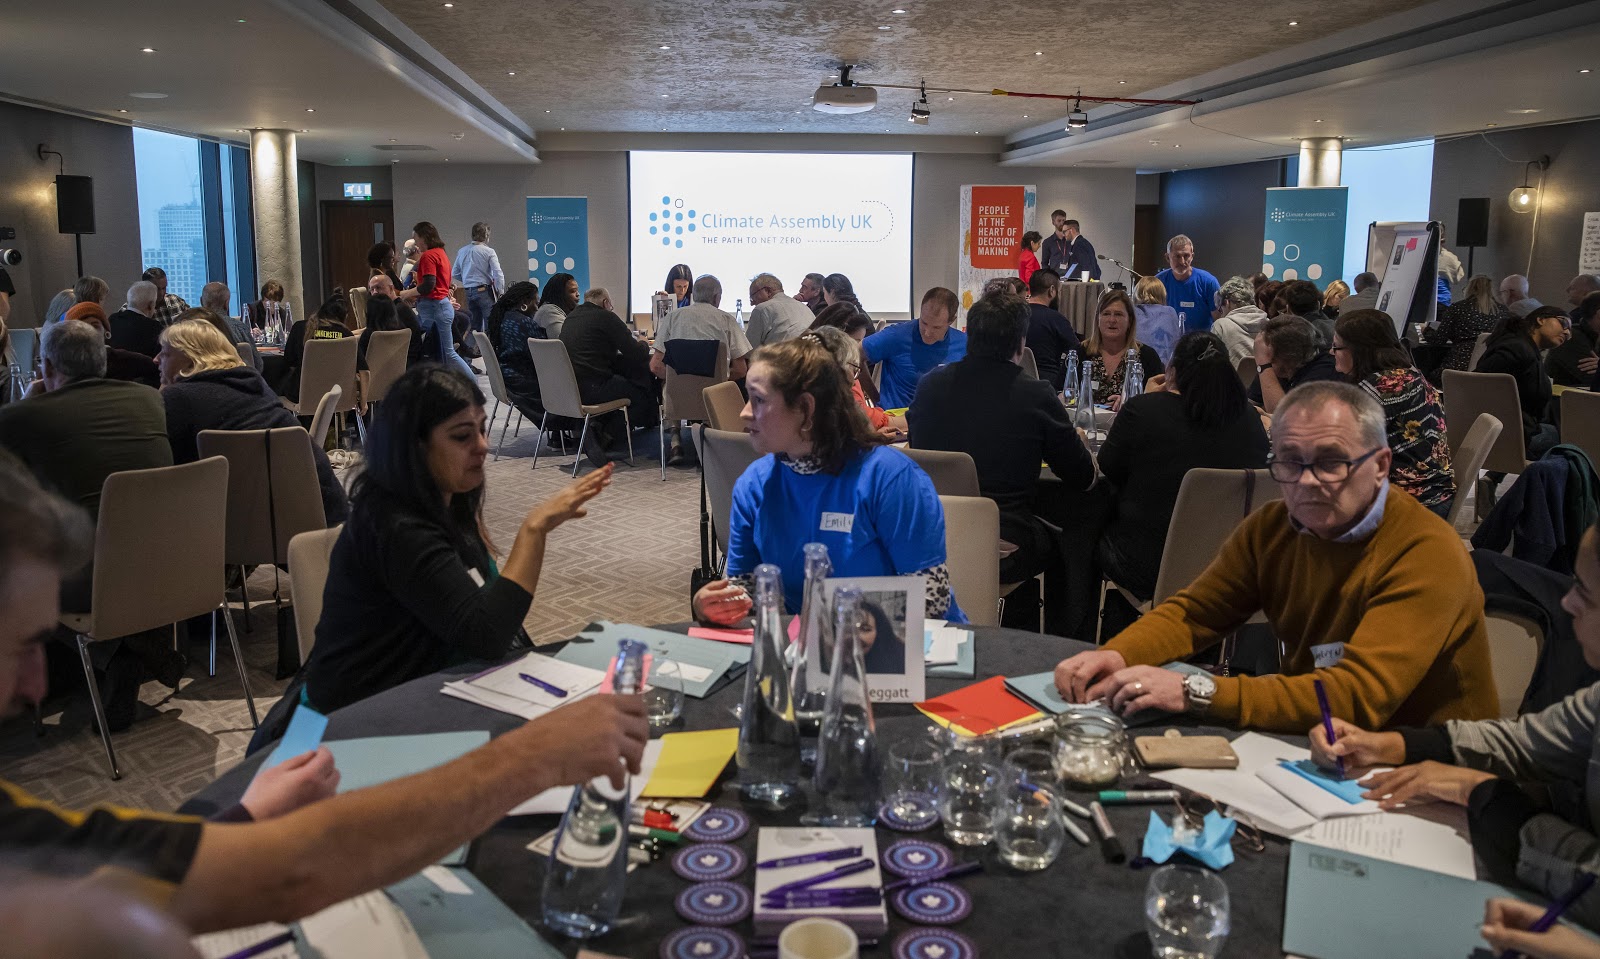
1320	161
275	200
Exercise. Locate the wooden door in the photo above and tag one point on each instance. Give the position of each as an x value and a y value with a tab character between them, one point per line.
1149	246
349	228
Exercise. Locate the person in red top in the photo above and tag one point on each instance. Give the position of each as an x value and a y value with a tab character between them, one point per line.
1030	254
431	295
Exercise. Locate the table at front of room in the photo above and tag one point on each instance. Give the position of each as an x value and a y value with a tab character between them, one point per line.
1078	302
1079	906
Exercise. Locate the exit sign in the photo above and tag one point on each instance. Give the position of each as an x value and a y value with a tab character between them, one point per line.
358	191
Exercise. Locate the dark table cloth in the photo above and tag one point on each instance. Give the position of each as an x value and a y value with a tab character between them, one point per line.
1079	906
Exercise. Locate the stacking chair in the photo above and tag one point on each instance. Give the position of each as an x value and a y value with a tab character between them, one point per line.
1469	459
158	560
358	307
558	393
972	554
724	456
273	494
327	364
1030	364
386	362
1580	421
1480	345
724	403
497	387
683	396
1468	394
1247	370
953	473
309	557
1514	647
24	350
324	414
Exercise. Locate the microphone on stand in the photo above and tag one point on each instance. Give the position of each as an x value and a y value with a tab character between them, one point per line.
1124	266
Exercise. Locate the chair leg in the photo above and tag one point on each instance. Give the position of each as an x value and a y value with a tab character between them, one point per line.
518	431
627	427
503	427
663	431
538	442
99	710
561	435
578	457
211	658
238	660
244	594
361	428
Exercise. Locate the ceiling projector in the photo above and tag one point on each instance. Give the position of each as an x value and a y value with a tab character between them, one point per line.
846	96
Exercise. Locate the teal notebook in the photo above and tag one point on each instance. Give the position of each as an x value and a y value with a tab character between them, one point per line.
706	663
1040	690
965	665
368	762
458	926
607	633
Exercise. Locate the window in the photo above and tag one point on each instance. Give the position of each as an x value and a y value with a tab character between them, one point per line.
194	214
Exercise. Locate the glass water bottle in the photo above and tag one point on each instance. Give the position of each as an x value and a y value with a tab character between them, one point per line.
847	774
769	738
808	684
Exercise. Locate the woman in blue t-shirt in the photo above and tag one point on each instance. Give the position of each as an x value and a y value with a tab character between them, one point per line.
825	479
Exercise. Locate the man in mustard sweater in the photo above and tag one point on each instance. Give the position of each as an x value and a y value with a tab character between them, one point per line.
1366	589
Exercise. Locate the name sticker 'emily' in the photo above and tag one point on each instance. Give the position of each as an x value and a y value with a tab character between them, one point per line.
838	522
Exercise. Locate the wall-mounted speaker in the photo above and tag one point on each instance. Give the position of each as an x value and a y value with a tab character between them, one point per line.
74	204
1472	222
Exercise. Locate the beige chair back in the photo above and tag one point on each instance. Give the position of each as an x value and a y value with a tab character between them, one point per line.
953	473
724	403
247	353
1030	364
326	364
358	307
724	455
309	556
1480	345
1247	370
683	394
1580	421
491	366
1469	459
558	384
159	548
972	554
386	361
24	349
324	416
1210	505
1468	394
273	492
1514	644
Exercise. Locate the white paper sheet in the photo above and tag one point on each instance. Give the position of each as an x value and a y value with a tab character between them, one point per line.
216	945
1244	791
556	800
508	681
1432	837
1313	798
366	927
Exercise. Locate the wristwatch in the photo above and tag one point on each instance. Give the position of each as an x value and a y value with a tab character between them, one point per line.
1198	690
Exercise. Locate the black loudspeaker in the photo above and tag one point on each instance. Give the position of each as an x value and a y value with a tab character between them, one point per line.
74	204
1472	222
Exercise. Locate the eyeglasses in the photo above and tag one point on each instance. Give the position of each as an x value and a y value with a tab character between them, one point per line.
1194	807
1328	471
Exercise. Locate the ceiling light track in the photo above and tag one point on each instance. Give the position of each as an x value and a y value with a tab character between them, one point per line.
1075	97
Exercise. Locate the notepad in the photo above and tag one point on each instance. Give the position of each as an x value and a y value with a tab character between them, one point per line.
980	708
1040	690
702	663
304	734
1347	789
773	842
379	759
691	762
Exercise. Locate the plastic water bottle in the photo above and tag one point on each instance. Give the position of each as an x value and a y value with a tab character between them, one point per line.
769	737
1069	383
847	775
739	313
588	866
807	684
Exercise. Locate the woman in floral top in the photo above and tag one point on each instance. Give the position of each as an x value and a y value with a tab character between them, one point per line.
1116	323
1460	323
1367	350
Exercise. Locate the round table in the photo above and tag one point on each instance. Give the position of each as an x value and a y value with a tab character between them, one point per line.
1079	906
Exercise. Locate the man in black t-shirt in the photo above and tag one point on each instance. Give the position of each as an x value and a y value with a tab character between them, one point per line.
1050	336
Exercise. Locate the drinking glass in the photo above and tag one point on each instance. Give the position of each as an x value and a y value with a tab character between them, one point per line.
914	773
968	798
1028	829
1030	767
1186	913
663	694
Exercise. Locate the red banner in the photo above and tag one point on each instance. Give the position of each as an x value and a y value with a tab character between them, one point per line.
996	217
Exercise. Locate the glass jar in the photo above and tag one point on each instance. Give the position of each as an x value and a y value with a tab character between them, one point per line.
1091	749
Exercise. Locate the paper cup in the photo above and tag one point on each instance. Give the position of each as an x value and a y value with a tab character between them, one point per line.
817	939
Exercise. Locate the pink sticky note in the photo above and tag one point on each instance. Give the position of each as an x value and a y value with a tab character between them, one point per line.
794	629
742	636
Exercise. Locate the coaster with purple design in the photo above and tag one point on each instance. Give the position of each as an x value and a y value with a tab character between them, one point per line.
929	943
702	942
910	813
708	861
718	825
916	857
937	903
714	903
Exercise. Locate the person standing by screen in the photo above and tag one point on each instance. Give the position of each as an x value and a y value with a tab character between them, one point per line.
1190	290
478	270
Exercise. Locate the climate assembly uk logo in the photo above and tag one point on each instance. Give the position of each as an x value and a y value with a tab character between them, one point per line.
672	222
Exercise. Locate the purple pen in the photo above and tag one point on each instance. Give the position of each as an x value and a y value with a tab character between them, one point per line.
550	688
829	856
866	897
848	869
954	872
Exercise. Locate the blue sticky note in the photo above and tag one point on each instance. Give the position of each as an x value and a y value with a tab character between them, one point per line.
1347	789
303	735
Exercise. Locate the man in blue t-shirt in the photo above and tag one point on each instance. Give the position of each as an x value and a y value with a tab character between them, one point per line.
1191	292
909	350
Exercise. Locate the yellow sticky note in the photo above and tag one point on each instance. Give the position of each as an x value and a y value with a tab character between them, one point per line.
691	762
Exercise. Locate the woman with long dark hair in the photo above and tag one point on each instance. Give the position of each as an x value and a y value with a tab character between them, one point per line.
559	298
679	285
836	288
431	294
1515	347
1199	417
383	317
414	583
1367	350
823	477
326	323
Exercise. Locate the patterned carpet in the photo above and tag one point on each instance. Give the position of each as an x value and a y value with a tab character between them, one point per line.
628	560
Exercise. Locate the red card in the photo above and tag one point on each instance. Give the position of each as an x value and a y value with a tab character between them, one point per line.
980	708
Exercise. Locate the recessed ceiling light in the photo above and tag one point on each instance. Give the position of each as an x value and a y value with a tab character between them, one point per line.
563	128
241	20
897	11
1122	83
1584	70
148	50
305	131
148	96
547	111
664	94
884	27
664	46
393	140
1024	116
974	131
1316	121
1292	23
1038	53
951	99
1491	124
394	161
511	73
311	109
447	159
1177	146
1525	110
449	6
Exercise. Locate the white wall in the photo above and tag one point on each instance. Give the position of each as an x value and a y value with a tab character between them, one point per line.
456	196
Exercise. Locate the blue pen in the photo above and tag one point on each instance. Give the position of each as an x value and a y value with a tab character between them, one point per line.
547	687
1581	886
810	857
266	945
1327	720
849	869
